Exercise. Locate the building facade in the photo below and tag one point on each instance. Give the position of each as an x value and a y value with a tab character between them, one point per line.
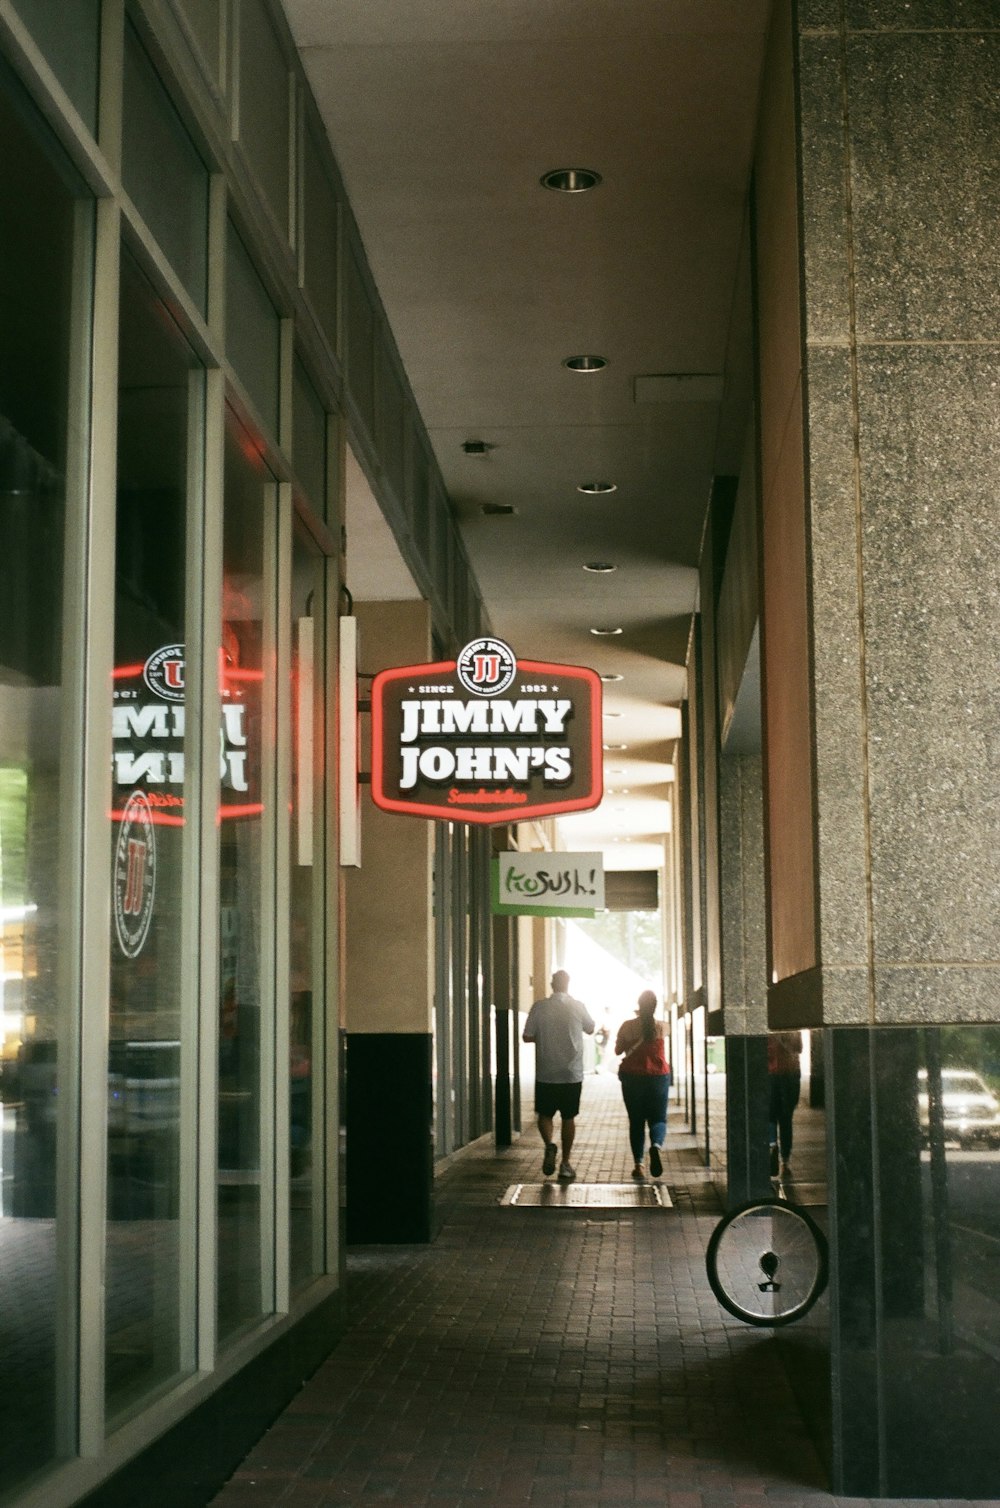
204	980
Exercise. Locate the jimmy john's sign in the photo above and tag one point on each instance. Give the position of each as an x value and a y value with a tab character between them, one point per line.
486	738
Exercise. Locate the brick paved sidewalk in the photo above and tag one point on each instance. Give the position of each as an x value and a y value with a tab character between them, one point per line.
550	1357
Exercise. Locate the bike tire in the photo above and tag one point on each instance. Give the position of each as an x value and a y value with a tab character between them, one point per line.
780	1240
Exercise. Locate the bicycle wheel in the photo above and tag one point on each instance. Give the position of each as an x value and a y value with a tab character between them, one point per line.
767	1262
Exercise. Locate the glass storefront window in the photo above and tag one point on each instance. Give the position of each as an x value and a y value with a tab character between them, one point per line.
44	302
253	330
69	36
149	785
320	237
306	1042
309	438
162	172
245	1259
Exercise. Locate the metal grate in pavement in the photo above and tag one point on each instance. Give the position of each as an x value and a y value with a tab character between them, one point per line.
600	1196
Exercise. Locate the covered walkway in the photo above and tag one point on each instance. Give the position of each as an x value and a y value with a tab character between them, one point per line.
551	1356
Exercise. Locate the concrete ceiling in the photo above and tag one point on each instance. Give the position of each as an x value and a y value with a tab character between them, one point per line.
443	116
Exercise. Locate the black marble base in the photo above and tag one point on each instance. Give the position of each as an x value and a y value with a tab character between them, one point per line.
747	1171
914	1114
390	1127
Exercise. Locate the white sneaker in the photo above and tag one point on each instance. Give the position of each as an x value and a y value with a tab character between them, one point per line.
566	1173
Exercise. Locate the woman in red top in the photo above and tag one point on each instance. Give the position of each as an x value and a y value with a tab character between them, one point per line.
645	1079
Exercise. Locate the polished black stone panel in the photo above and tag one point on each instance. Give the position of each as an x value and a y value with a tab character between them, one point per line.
852	1245
390	1127
915	1232
747	1170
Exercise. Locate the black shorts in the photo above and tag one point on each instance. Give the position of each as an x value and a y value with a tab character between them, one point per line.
562	1097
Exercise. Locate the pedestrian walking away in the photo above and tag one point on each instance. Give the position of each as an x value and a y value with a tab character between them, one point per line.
556	1026
645	1076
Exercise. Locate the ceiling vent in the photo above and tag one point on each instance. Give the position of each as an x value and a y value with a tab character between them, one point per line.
498	510
477	447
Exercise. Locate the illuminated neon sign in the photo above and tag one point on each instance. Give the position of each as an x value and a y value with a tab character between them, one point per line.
486	738
148	723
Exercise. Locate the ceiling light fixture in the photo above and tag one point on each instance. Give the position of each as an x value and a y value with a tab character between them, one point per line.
612	714
585	363
609	747
606	631
570	180
612	675
600	567
597	489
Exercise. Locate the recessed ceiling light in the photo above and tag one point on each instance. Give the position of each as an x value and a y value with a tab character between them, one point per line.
612	675
610	747
595	489
600	567
570	180
585	363
612	714
606	631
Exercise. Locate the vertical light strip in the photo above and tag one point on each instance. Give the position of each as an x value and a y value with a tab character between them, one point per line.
207	690
330	895
74	637
305	741
330	904
279	912
95	911
347	723
321	984
208	630
195	794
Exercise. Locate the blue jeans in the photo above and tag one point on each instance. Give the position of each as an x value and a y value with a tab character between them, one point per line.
645	1096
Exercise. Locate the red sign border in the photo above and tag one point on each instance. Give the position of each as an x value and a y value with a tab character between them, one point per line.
552	808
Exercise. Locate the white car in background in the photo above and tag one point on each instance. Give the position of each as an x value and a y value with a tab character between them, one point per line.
971	1109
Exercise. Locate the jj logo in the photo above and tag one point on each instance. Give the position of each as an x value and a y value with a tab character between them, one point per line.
486	670
133	875
486	667
135	878
163	672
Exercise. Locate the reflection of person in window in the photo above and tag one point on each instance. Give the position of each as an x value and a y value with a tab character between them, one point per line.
785	1081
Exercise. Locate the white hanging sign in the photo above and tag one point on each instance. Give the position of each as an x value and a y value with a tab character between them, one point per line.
548	884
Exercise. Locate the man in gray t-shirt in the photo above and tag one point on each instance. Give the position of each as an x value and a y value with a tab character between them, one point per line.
556	1026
